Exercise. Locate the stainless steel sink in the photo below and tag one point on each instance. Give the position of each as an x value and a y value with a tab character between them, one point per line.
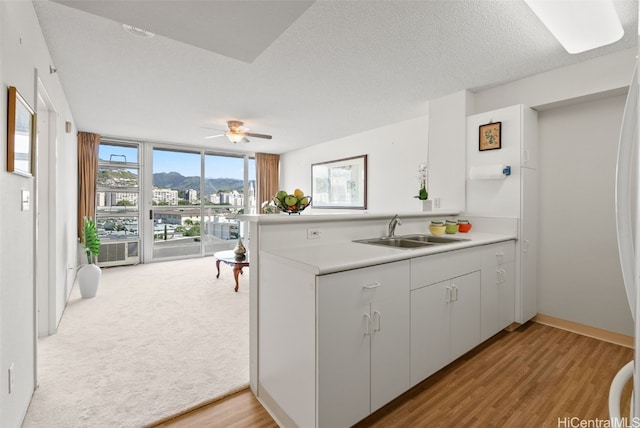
432	239
395	242
410	241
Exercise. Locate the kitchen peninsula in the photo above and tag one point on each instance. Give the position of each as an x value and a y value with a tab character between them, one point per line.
340	328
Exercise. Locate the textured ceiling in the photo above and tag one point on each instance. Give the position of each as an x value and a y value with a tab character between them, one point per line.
306	73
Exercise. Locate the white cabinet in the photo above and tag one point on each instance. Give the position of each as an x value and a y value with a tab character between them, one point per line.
334	348
445	309
498	288
444	323
430	330
362	341
514	196
464	314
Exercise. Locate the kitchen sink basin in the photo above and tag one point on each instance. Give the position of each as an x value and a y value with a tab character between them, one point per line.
432	239
395	242
410	241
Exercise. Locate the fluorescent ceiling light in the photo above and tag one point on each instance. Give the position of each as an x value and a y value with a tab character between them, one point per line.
579	25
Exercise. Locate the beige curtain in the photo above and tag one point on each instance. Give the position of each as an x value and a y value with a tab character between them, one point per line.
88	145
268	174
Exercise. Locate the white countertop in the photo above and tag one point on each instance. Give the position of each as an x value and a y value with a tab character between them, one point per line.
317	216
333	257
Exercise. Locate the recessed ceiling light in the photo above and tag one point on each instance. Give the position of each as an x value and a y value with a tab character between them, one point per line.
579	25
138	32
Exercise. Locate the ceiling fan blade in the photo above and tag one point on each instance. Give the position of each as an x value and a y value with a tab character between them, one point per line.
214	136
251	134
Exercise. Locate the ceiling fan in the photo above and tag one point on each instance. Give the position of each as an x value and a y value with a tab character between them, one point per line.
237	132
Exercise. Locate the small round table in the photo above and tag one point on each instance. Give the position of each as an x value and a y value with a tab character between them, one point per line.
229	258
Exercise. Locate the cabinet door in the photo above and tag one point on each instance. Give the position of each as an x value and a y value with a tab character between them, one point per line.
507	289
464	314
390	371
429	330
489	299
343	347
348	304
497	291
527	304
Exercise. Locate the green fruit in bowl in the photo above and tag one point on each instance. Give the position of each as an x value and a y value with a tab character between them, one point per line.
304	201
290	200
281	195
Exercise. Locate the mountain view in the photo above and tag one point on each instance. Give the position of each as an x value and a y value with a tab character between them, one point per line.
176	181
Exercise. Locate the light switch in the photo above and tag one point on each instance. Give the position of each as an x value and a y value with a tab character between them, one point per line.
26	200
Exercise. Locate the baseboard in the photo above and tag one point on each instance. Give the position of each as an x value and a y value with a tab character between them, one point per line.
586	330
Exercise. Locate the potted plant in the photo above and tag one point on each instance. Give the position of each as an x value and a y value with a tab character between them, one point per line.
423	195
89	274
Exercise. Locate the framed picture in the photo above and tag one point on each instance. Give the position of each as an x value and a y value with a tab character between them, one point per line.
340	183
21	126
490	136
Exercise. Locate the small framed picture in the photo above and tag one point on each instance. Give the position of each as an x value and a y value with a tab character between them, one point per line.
21	131
490	136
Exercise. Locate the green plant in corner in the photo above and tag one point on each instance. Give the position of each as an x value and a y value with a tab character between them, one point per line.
90	240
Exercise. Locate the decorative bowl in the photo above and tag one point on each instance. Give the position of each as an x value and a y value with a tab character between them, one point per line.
302	203
436	229
464	227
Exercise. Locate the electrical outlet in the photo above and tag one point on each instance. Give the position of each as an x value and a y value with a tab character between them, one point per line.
313	233
436	202
11	379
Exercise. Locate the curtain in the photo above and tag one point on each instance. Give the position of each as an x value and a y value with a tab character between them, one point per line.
88	145
267	174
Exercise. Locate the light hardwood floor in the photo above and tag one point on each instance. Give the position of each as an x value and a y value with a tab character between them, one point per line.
535	376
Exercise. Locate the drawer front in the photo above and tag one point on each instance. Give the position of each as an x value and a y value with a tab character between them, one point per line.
375	282
497	254
435	268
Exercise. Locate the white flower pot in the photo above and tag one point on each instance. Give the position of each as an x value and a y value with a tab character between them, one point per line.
88	280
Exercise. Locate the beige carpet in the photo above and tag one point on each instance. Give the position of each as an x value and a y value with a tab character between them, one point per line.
158	339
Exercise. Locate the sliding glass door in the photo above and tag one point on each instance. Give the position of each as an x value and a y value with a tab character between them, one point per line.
196	197
175	203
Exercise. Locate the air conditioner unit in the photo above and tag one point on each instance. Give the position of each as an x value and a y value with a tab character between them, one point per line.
119	253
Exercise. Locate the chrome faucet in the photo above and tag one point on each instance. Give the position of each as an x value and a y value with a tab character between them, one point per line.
395	221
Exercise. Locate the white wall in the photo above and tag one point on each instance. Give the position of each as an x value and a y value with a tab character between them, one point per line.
22	52
579	271
394	154
447	149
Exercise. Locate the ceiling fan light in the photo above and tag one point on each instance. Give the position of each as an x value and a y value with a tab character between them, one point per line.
234	137
579	25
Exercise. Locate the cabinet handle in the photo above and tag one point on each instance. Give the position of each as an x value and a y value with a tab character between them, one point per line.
372	285
455	293
525	246
368	319
448	298
377	320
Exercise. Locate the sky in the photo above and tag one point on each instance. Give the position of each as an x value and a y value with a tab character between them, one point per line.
187	164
